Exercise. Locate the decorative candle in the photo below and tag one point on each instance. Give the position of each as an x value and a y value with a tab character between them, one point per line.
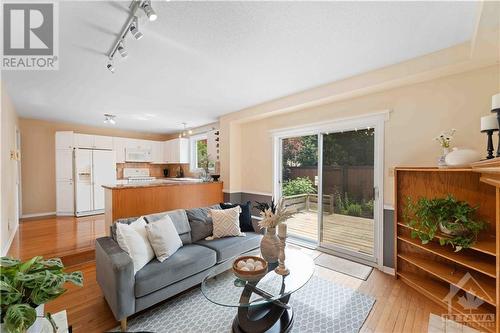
282	230
495	102
489	123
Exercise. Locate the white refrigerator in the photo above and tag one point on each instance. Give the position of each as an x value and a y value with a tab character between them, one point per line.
93	168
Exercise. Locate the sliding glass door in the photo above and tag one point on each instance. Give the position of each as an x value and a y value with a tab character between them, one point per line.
330	177
347	184
299	185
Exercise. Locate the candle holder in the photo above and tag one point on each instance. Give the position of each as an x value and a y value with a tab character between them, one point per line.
490	148
281	269
496	109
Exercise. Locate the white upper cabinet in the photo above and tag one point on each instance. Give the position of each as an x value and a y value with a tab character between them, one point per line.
64	140
119	145
157	152
93	141
177	150
103	142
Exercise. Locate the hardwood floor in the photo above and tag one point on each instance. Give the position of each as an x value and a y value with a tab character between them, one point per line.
398	308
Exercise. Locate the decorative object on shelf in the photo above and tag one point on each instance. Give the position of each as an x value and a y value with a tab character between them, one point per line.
444	140
456	219
495	108
250	268
281	269
272	215
215	178
489	124
462	157
27	286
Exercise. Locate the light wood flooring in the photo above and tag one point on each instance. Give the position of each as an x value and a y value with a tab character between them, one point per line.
398	308
349	232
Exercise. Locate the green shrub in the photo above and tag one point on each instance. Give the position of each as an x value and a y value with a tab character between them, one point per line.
353	209
298	186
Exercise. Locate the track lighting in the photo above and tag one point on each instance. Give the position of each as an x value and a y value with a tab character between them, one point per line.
149	11
132	26
110	67
121	49
109	119
134	29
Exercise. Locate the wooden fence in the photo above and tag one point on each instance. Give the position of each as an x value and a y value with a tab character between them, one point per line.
308	202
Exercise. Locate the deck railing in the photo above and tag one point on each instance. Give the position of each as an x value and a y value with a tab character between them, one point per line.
308	202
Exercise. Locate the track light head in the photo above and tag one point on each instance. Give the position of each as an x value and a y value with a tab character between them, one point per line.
110	67
121	49
134	29
109	119
149	11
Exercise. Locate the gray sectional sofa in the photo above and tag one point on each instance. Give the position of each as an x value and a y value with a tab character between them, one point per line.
127	294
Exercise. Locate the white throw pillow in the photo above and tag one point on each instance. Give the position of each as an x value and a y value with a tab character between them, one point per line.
133	239
226	222
163	237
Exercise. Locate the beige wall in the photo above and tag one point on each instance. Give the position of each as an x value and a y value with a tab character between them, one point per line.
38	159
8	216
419	112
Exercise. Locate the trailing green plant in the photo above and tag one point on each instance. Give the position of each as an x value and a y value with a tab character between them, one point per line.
26	285
426	216
298	186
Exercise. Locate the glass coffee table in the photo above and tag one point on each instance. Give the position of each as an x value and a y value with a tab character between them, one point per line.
263	305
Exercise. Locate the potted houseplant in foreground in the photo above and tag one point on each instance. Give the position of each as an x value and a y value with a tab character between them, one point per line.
455	219
26	286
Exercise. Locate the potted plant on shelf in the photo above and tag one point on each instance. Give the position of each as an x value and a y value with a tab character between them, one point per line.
26	286
455	219
272	215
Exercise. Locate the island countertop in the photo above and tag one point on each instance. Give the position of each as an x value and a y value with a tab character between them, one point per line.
156	183
134	200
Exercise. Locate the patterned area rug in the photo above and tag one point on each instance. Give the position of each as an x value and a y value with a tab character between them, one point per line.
320	307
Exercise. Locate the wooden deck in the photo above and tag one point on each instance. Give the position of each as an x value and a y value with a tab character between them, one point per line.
353	233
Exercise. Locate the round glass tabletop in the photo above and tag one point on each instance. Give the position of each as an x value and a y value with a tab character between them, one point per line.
226	289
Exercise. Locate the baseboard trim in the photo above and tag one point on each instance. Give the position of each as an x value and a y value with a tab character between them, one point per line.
388	207
248	192
388	270
36	215
9	242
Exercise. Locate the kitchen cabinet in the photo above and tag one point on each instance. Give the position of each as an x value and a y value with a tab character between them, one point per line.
157	152
93	141
64	140
177	150
64	164
119	145
65	195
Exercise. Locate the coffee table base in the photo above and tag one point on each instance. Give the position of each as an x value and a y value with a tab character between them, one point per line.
268	318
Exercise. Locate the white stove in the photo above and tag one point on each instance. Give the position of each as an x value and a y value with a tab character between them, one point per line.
137	175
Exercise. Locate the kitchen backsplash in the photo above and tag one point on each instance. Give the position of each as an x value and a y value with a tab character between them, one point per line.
155	170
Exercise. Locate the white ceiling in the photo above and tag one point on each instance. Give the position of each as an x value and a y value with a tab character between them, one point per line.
201	60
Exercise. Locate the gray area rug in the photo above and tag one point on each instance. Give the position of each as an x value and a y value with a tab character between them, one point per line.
320	307
344	266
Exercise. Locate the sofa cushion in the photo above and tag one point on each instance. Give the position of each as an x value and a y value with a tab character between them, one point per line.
201	224
245	215
230	247
188	260
180	221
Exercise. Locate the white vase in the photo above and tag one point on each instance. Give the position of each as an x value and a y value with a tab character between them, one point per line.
270	246
37	325
442	158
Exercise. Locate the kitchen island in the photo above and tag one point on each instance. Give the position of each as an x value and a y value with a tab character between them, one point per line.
130	200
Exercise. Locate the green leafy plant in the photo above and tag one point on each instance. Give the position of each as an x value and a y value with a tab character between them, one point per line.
298	186
26	285
457	218
346	206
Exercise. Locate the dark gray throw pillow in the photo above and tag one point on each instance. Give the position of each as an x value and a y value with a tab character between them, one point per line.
201	224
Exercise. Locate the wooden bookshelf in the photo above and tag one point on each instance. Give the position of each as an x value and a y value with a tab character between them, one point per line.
436	271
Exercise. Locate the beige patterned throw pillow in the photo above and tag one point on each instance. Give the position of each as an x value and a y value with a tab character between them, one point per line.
226	222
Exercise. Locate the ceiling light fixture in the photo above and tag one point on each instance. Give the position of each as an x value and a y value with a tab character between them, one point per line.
109	119
132	26
185	131
121	49
149	11
134	29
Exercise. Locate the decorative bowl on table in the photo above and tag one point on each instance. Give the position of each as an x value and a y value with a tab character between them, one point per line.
250	268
